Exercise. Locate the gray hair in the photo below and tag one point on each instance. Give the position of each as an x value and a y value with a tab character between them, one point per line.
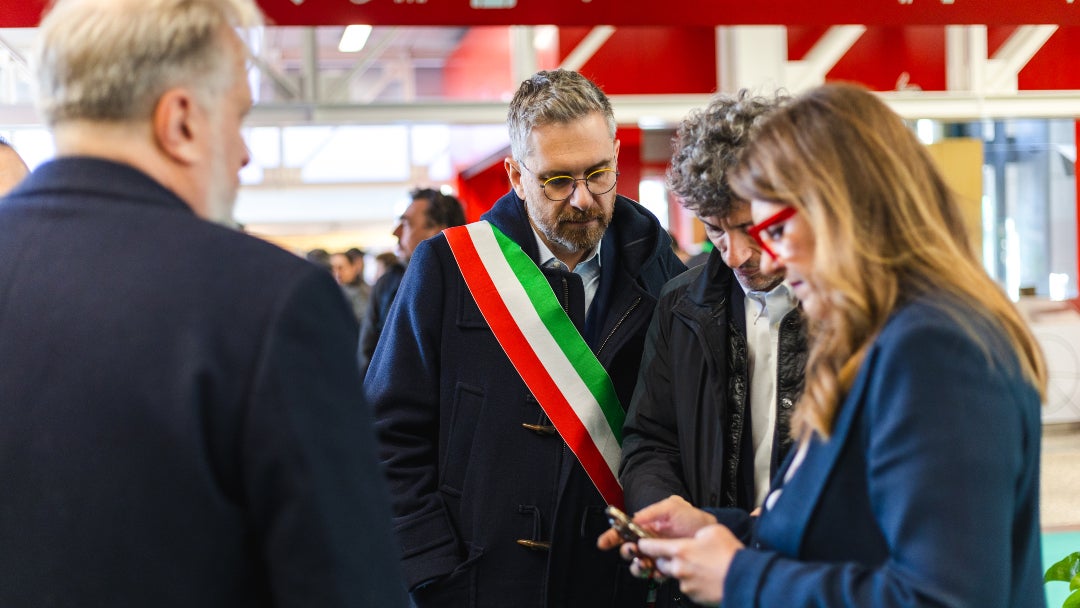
707	146
111	60
553	97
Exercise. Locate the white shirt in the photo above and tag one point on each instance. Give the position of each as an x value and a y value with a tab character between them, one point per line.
796	462
588	269
764	311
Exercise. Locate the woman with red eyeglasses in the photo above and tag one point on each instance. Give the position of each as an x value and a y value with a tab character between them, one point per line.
916	477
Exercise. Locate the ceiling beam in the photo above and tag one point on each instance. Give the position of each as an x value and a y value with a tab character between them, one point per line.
585	49
669	110
651	110
969	69
811	69
1015	54
340	91
286	86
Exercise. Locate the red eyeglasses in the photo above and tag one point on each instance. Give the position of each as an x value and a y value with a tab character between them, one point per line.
772	235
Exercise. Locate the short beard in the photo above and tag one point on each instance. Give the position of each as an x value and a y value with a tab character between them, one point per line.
575	238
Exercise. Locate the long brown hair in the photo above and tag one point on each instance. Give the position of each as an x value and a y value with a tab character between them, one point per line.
886	226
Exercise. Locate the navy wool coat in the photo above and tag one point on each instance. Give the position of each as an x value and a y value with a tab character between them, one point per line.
182	416
927	492
468	479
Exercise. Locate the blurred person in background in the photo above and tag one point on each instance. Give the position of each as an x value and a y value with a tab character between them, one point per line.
12	167
348	270
429	212
319	257
384	262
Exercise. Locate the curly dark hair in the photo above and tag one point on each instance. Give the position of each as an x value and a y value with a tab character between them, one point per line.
707	146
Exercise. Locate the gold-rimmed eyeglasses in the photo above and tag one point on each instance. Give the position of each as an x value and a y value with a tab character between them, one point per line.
562	187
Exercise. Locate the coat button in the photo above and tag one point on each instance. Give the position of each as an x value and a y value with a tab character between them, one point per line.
786	403
535	545
540	429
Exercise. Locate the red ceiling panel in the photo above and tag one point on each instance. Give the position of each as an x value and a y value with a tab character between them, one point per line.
479	68
25	13
1051	67
881	57
801	39
996	36
650	60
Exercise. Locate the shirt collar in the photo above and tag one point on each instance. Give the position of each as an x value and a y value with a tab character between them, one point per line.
777	303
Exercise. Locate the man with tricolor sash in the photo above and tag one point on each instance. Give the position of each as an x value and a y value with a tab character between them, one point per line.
504	369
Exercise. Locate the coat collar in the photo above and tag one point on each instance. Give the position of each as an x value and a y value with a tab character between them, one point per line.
713	286
98	179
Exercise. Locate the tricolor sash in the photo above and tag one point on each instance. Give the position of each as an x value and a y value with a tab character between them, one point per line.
545	348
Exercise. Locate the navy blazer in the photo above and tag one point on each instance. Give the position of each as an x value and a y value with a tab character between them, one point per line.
182	415
927	493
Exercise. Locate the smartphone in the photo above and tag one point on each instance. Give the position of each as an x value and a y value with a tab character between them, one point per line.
628	530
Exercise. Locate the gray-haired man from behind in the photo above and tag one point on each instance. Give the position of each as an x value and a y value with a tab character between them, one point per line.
180	430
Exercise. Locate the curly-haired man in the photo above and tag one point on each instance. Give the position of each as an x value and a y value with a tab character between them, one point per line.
724	356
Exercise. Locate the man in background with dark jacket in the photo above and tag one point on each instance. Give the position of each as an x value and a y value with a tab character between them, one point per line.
724	357
492	503
429	212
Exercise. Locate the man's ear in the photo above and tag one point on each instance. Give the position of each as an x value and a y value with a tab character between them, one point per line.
514	174
176	129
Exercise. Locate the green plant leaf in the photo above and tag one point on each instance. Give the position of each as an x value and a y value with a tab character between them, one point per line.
1065	570
1073	601
1074	584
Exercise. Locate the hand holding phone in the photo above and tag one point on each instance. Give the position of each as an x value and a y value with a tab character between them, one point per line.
643	566
627	529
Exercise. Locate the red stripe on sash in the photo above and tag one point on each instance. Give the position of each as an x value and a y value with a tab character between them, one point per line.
529	367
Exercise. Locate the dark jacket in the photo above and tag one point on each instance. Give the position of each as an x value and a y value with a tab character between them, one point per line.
182	418
688	427
378	308
933	462
478	496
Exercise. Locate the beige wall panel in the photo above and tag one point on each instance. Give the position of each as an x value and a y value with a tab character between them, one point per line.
961	160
